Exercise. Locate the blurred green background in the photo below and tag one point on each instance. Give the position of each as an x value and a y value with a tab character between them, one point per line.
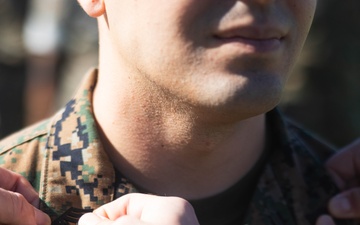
324	92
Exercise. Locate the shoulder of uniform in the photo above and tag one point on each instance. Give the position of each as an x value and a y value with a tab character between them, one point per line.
319	147
32	133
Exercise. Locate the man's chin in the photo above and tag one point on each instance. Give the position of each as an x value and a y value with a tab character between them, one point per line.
234	111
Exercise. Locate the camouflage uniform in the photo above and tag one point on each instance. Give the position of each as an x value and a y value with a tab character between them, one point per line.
65	161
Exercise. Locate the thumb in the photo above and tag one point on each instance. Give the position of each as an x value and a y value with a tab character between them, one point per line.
346	204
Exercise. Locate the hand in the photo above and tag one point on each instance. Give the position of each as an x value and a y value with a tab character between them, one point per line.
19	201
345	169
140	209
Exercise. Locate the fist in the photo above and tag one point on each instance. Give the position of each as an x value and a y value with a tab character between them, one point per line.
136	209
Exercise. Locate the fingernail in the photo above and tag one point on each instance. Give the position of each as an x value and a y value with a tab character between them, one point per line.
340	204
41	218
325	220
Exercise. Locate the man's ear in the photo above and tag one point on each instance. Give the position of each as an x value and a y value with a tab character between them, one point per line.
93	8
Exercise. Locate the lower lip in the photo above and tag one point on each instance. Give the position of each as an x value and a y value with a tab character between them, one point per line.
254	45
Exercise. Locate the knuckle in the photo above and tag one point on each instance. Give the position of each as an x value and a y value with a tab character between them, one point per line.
18	203
184	207
179	200
15	207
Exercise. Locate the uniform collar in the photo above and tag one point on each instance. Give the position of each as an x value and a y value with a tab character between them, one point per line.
78	173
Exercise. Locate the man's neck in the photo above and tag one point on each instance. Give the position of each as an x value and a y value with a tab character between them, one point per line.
169	150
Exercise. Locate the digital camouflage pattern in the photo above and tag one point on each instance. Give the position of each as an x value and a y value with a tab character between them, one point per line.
65	161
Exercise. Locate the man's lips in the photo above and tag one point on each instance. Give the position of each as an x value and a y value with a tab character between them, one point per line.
257	45
252	38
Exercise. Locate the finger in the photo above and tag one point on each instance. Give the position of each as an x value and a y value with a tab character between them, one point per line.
134	205
149	209
345	174
16	210
325	220
117	208
15	182
41	218
93	219
346	204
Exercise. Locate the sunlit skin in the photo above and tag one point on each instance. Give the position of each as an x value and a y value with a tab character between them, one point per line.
183	84
227	56
183	88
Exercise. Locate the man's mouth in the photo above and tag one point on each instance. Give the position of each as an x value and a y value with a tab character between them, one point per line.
258	45
251	38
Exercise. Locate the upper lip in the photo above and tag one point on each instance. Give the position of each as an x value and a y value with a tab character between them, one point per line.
255	32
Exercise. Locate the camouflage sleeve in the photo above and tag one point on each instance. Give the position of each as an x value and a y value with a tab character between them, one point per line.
23	152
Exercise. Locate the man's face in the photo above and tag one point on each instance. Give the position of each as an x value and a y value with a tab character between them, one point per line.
222	54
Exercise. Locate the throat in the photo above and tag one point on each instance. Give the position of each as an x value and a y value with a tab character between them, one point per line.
234	201
191	167
171	151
